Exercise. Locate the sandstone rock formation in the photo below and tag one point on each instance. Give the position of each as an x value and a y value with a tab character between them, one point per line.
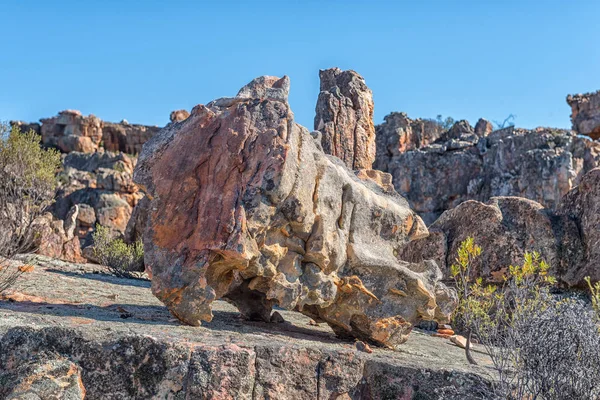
585	113
344	116
244	205
71	131
55	238
506	227
541	164
101	185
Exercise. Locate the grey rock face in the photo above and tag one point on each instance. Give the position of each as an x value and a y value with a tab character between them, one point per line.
541	165
344	116
507	227
129	347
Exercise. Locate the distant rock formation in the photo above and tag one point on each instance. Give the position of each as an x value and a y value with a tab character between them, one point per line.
344	116
244	205
96	179
585	114
507	227
436	171
70	131
101	185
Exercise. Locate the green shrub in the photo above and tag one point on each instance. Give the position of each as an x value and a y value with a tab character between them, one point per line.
27	186
123	259
540	347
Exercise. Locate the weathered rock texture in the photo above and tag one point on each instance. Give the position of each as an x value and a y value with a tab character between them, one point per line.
129	347
344	116
582	206
100	184
585	114
465	164
56	237
96	177
70	131
507	227
246	206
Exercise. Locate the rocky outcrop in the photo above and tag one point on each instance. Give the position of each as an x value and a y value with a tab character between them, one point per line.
399	134
581	206
585	114
56	237
123	344
101	185
344	116
71	131
541	164
508	227
244	205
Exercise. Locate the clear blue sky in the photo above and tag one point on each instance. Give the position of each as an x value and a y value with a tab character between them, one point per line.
140	60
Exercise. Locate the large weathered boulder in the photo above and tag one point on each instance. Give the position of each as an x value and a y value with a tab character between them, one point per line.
505	227
582	206
344	116
244	205
585	113
541	164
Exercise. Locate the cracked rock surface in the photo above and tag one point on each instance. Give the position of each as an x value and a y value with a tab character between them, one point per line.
344	116
246	206
123	344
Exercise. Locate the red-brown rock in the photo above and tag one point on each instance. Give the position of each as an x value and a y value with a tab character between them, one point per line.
344	116
245	205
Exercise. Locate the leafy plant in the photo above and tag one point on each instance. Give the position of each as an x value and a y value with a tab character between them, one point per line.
123	259
446	123
526	332
27	186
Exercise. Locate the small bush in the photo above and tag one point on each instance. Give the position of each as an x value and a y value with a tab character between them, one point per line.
27	186
541	348
123	259
444	123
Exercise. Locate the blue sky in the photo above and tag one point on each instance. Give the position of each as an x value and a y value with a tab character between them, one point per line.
139	60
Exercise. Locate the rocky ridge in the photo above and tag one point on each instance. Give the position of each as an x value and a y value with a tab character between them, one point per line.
436	171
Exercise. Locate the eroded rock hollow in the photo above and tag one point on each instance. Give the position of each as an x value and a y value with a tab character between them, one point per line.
246	206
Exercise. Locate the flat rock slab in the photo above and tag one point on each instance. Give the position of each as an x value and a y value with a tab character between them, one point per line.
128	346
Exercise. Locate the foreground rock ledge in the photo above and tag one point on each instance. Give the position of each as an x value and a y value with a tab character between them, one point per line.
246	206
110	338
